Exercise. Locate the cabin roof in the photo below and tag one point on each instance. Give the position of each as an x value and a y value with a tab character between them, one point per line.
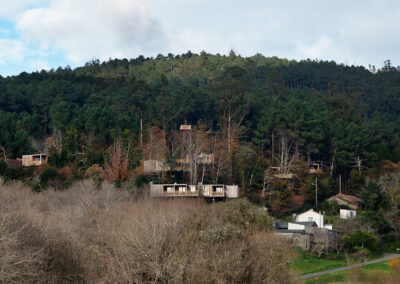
309	210
350	198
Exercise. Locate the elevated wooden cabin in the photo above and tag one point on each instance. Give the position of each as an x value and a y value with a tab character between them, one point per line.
219	191
173	190
34	160
316	167
154	167
213	190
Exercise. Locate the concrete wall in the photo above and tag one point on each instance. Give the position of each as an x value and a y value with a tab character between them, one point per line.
156	190
232	191
293	226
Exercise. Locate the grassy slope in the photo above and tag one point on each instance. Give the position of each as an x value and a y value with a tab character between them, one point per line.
373	272
307	263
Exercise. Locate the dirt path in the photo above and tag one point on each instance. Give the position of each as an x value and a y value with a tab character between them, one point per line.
311	275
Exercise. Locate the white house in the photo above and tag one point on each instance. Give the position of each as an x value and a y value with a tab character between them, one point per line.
347	214
313	216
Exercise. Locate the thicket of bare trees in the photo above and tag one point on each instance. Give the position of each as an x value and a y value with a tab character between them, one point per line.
90	234
389	185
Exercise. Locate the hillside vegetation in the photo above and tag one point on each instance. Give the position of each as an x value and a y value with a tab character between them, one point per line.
252	113
90	234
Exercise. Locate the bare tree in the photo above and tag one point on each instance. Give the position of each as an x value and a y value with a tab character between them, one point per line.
221	158
195	151
357	163
117	168
287	153
321	243
156	148
389	185
3	152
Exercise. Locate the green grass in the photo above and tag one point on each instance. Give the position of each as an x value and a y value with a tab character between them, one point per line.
307	263
372	273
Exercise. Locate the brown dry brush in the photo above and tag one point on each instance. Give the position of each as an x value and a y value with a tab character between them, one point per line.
117	168
88	234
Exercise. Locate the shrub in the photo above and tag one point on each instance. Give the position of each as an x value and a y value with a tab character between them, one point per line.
394	263
91	234
95	172
364	239
245	214
3	167
50	175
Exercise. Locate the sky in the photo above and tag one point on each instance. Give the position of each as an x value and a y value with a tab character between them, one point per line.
45	34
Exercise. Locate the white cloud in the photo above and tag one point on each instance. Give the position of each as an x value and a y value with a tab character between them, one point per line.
10	8
93	29
11	51
353	32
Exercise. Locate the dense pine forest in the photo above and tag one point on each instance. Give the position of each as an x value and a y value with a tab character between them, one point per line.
252	113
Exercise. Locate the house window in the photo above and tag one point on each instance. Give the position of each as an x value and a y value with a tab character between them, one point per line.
310	219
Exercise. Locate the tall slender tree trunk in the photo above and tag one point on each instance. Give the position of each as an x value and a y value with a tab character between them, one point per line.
272	145
229	144
141	132
333	161
262	145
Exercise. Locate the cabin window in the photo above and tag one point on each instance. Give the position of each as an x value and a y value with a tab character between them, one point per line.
310	219
168	189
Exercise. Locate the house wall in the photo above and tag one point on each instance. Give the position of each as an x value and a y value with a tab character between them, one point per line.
232	191
347	214
27	160
156	190
311	216
293	226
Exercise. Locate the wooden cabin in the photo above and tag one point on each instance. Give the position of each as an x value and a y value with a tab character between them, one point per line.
154	167
316	168
219	191
185	127
277	172
351	201
173	190
34	160
213	190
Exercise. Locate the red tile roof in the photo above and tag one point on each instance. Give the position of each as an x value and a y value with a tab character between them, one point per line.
350	198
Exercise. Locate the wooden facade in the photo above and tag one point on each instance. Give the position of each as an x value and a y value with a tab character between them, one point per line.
219	191
34	160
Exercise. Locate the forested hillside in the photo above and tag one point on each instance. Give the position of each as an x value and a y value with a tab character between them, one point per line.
346	116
